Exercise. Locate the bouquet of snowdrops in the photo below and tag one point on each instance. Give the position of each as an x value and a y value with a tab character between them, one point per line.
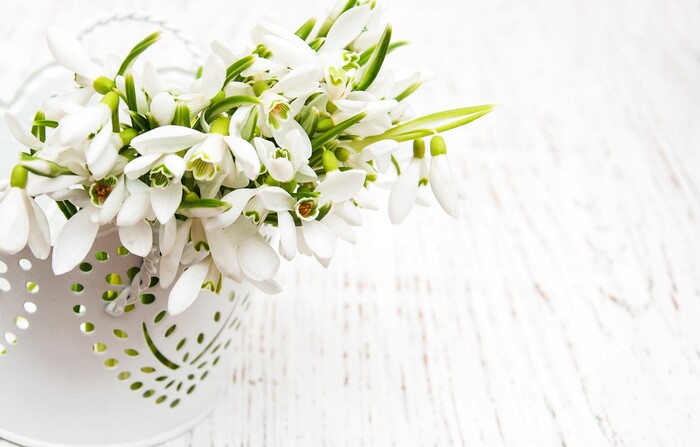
268	153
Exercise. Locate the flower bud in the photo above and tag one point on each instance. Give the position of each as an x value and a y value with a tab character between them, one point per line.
438	146
103	85
19	176
418	148
163	108
330	163
342	154
220	125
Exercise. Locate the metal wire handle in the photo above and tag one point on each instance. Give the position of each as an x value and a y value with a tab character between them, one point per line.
113	17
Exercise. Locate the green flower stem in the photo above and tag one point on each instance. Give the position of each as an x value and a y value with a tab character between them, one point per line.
409	91
336	130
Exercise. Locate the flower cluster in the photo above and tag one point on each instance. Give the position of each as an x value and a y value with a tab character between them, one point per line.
291	135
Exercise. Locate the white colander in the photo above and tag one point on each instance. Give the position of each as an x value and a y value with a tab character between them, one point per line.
71	374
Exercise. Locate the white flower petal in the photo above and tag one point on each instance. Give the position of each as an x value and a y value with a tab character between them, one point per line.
269	287
213	76
443	185
263	147
75	241
349	212
223	52
68	51
165	201
39	232
280	169
170	262
77	127
303	247
112	204
258	260
288	235
299	143
320	239
188	287
224	253
138	239
246	156
134	209
37	185
346	28
167	139
339	186
166	236
22	135
275	198
238	199
300	81
14	224
140	165
366	200
150	79
163	108
292	52
101	156
175	164
340	228
403	194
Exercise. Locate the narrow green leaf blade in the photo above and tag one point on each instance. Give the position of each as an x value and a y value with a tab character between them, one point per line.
371	70
137	50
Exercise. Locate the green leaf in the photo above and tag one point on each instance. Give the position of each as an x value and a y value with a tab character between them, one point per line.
336	130
139	121
409	91
364	57
305	30
204	203
250	126
130	92
428	125
227	104
137	50
442	121
238	67
371	70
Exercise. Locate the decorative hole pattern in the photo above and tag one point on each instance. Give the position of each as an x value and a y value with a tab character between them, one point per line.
162	358
22	323
30	307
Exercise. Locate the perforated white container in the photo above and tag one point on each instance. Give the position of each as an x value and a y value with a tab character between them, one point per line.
73	375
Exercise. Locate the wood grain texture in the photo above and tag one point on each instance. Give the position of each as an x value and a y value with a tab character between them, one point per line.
562	309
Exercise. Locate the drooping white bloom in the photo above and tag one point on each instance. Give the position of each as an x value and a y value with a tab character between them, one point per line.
405	190
442	181
23	223
163	108
291	158
69	52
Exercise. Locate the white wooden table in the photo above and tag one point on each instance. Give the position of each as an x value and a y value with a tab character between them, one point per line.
563	309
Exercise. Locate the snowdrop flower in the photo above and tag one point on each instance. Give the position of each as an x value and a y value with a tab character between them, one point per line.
69	52
206	88
75	128
163	108
442	181
23	221
20	133
292	158
79	233
165	174
405	190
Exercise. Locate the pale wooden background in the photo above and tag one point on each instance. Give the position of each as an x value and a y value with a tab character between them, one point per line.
563	309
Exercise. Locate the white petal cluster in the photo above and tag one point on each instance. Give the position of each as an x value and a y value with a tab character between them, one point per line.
269	153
